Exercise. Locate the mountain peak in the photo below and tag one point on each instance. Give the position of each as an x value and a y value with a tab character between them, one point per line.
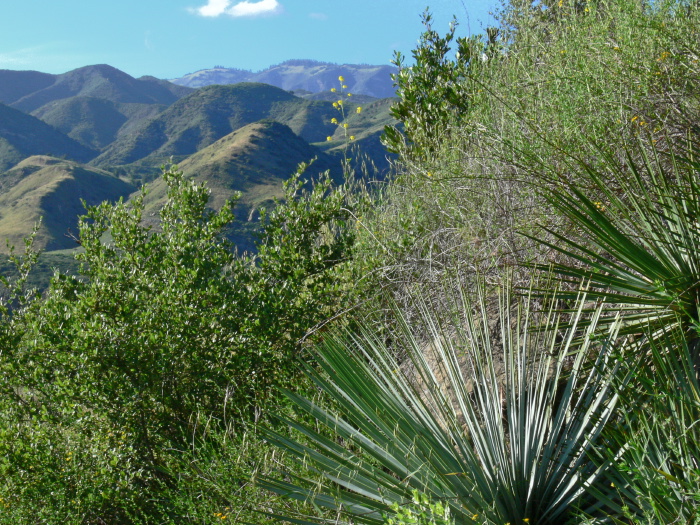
301	74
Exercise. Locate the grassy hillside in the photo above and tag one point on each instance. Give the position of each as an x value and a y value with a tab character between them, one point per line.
52	188
22	135
209	114
254	160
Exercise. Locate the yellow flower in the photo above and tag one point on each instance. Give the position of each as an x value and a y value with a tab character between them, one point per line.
341	78
527	520
349	94
329	138
430	174
352	137
333	90
340	102
335	104
345	125
334	120
358	110
344	86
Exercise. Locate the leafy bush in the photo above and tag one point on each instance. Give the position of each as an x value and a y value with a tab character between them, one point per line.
110	372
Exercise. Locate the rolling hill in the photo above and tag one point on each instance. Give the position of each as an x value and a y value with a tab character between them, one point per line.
93	105
246	137
43	186
210	113
262	154
23	135
17	84
254	160
103	82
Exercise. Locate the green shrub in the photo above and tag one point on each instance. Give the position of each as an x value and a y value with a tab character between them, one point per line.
164	326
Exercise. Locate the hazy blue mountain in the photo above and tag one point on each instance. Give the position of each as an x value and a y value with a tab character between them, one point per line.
17	84
308	75
103	82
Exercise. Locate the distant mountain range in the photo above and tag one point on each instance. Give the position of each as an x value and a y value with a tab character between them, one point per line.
96	134
304	75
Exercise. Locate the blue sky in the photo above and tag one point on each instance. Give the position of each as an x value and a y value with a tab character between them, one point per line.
169	38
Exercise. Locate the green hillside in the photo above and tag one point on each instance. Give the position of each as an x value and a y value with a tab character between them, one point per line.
47	187
209	114
254	160
93	105
95	122
91	121
23	135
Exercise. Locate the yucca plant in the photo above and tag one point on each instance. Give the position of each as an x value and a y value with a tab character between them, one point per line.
638	241
497	447
656	472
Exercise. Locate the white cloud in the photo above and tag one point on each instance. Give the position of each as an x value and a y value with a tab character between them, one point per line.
213	8
318	16
260	8
240	9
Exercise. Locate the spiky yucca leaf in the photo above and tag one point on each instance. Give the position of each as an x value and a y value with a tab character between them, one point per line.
657	458
496	447
639	239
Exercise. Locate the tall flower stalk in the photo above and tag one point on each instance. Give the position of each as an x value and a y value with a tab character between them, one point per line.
342	123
